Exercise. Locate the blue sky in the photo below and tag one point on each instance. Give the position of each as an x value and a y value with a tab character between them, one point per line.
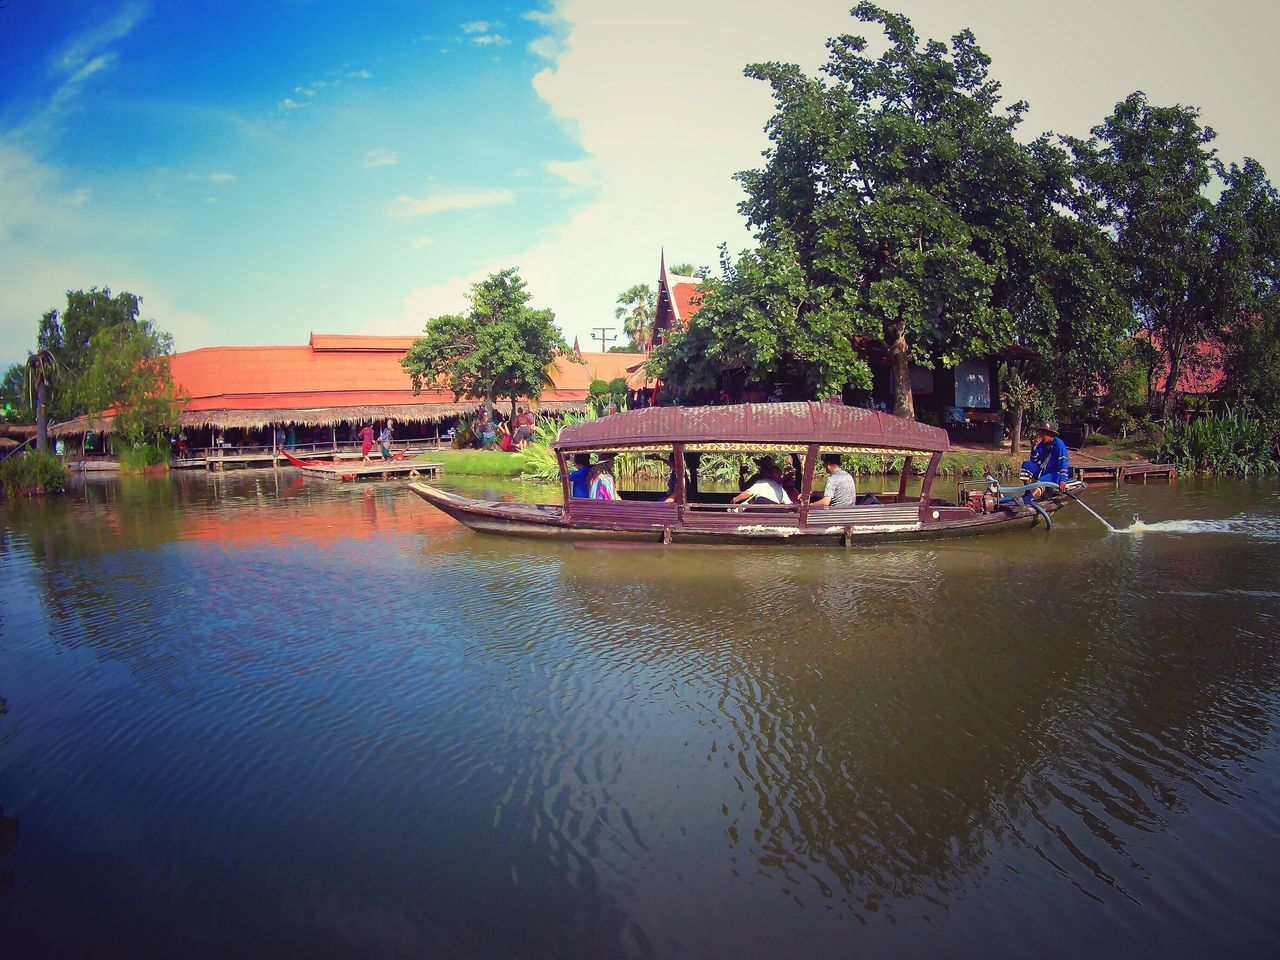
260	171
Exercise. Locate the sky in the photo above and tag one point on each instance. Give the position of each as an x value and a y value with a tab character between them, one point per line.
258	172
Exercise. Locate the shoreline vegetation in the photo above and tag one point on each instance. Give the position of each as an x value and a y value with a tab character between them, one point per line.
33	474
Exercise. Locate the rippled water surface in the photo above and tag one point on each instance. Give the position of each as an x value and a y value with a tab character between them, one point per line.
262	716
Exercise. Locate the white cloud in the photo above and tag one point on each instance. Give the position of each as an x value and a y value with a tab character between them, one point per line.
290	104
100	62
360	75
545	18
547	47
425	302
580	173
422	241
88	54
480	26
217	177
490	39
88	46
440	201
380	157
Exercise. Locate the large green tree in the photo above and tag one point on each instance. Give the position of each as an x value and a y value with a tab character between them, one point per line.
895	205
763	320
636	306
501	347
66	336
15	395
127	374
1192	265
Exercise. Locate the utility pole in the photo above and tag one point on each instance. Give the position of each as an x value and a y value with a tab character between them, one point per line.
601	335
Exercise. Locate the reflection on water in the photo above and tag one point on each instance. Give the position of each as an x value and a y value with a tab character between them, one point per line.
257	715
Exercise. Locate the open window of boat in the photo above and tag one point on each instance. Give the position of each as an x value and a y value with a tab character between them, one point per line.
795	433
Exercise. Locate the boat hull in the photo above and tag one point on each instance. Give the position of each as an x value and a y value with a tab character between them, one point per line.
551	522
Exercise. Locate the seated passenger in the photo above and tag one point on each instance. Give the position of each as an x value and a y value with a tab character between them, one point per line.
670	461
744	481
602	485
579	479
841	490
767	489
791	478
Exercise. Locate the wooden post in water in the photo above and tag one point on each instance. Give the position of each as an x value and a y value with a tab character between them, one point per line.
902	480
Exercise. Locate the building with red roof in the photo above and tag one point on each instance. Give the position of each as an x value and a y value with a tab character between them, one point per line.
339	379
678	300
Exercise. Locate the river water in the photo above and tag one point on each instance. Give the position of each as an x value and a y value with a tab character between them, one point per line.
263	716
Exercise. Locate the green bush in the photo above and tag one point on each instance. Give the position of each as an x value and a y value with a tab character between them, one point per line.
1227	443
464	435
32	474
136	457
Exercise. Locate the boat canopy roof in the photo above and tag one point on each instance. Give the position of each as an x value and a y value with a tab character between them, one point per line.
755	427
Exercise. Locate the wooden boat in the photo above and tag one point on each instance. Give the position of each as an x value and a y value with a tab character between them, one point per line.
808	430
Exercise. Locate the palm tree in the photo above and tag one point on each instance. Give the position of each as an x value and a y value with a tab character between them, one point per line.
41	366
636	307
685	270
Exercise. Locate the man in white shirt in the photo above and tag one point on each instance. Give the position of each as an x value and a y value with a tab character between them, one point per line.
767	488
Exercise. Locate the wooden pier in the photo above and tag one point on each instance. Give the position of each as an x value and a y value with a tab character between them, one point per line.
236	458
348	471
1118	472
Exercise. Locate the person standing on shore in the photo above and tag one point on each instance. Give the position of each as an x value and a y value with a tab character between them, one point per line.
366	443
384	441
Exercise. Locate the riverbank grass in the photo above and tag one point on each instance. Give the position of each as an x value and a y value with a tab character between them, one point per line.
32	475
478	463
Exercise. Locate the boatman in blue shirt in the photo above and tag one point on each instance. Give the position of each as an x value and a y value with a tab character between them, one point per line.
580	478
1048	459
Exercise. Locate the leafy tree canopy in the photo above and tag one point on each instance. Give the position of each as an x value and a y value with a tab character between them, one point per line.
128	374
501	347
66	336
15	395
895	205
764	319
1191	266
685	270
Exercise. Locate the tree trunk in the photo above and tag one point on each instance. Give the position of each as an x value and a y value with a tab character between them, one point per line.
42	413
900	364
1171	385
1015	431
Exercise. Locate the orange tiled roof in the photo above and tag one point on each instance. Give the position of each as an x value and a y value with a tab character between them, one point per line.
334	371
572	380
